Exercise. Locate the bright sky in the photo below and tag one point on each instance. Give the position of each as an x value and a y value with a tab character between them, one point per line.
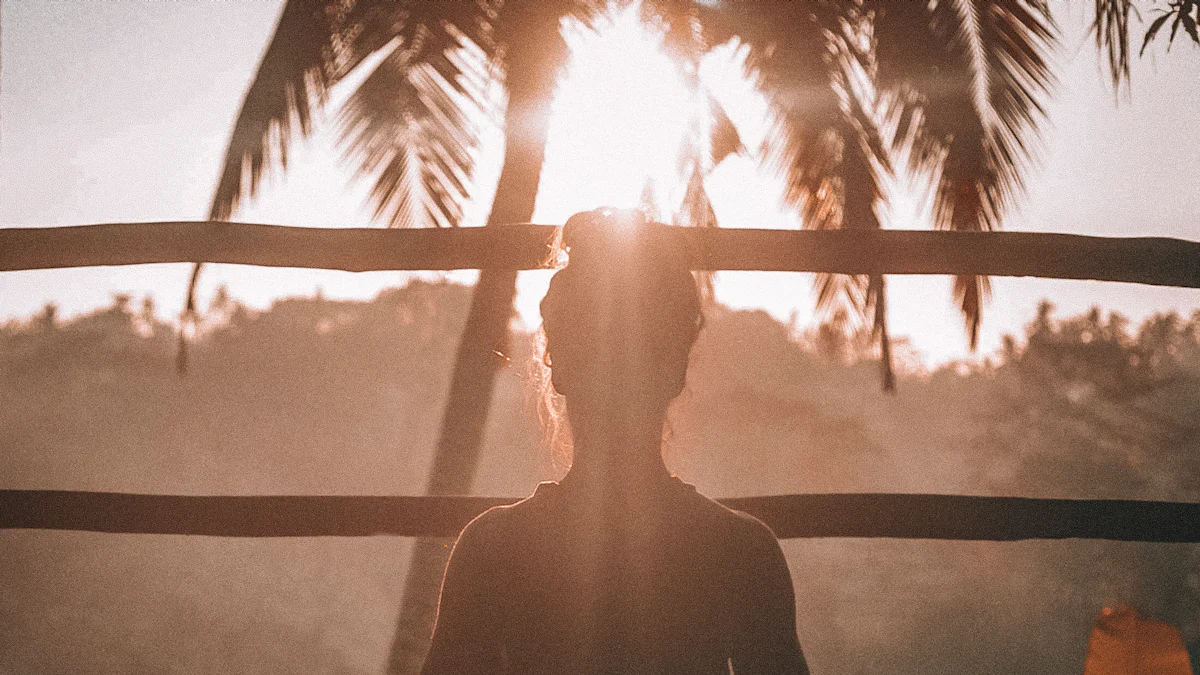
120	111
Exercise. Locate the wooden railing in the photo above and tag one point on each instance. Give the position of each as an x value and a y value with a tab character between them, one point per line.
907	516
1145	260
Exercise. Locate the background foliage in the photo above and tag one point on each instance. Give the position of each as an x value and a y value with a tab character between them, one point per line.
317	396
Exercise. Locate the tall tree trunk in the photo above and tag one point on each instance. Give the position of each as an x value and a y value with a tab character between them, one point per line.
481	353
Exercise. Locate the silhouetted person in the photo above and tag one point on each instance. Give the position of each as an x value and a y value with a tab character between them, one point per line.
620	567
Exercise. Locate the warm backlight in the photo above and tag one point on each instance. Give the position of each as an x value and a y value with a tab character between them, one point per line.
621	115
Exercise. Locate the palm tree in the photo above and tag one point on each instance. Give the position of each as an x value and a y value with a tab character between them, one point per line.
956	85
411	125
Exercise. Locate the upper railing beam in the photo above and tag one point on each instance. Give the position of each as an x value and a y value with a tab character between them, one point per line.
1158	261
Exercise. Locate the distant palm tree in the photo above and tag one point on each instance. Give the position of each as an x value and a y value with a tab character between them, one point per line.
957	86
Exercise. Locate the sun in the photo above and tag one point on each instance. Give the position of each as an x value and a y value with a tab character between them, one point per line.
620	117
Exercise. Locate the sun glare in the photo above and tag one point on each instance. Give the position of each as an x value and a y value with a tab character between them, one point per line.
620	118
621	115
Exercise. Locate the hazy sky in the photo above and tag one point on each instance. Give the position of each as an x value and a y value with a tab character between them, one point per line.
120	111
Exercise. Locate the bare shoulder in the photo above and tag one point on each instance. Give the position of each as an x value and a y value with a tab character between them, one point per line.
756	531
739	524
499	524
487	527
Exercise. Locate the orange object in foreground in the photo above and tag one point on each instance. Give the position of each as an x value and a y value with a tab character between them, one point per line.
1124	642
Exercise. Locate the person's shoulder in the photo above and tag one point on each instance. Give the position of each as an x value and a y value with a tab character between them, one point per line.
740	522
758	544
755	529
743	539
499	522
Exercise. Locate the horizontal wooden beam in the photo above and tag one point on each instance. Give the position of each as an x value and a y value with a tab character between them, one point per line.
904	516
1145	260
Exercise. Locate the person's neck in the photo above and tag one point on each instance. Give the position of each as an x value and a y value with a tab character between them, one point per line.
619	452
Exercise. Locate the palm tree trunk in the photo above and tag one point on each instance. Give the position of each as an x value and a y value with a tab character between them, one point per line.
481	354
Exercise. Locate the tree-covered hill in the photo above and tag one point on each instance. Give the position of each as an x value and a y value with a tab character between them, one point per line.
316	396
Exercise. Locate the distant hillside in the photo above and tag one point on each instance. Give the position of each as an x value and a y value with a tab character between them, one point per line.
316	396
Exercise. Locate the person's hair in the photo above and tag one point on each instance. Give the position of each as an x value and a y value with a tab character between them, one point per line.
626	292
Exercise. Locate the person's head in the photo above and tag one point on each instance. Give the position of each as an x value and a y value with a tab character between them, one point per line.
621	318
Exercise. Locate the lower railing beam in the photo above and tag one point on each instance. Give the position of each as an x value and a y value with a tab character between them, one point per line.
903	516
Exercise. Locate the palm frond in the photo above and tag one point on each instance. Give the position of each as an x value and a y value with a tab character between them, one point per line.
807	60
856	191
1016	37
412	124
293	77
678	21
696	210
713	136
724	139
861	193
315	44
1110	27
966	200
825	139
290	79
965	81
306	55
794	57
1187	16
